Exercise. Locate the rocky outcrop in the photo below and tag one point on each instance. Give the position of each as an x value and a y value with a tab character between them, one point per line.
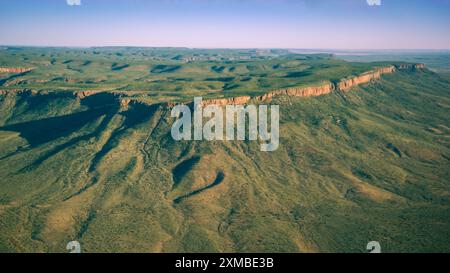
313	91
14	82
294	92
124	103
14	69
83	94
347	84
310	91
227	101
17	91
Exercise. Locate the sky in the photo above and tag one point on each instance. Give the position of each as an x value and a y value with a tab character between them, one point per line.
322	24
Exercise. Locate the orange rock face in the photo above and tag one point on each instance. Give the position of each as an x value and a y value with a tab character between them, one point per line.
346	84
227	101
125	103
313	91
14	70
18	91
84	94
299	92
310	91
294	92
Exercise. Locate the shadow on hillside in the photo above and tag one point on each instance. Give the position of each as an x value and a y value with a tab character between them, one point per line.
138	114
41	131
181	169
219	178
3	81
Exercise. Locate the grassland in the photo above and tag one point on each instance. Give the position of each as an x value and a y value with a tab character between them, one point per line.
175	75
371	164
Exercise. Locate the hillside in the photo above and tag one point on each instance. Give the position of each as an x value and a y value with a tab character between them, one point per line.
362	162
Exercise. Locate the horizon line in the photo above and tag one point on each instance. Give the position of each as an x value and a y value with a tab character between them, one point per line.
230	48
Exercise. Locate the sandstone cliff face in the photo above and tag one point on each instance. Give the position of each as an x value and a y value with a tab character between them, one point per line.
84	94
299	92
18	91
313	91
227	101
14	69
294	92
124	103
347	84
310	91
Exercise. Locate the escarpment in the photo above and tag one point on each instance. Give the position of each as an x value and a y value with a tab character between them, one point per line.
319	90
85	94
346	84
18	91
307	91
15	69
227	101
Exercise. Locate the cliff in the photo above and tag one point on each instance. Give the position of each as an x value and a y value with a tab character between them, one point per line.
15	70
18	91
309	91
313	91
346	84
227	101
84	94
124	103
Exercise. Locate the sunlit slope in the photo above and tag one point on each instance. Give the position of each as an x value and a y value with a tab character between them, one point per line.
369	164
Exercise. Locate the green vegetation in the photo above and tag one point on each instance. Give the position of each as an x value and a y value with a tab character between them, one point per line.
371	164
170	75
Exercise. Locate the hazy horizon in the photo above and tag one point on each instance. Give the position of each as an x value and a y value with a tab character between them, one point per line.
321	50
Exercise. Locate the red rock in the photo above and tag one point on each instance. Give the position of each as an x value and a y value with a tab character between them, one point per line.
346	84
14	69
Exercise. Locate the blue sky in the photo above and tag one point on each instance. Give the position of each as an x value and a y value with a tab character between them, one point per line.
330	24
